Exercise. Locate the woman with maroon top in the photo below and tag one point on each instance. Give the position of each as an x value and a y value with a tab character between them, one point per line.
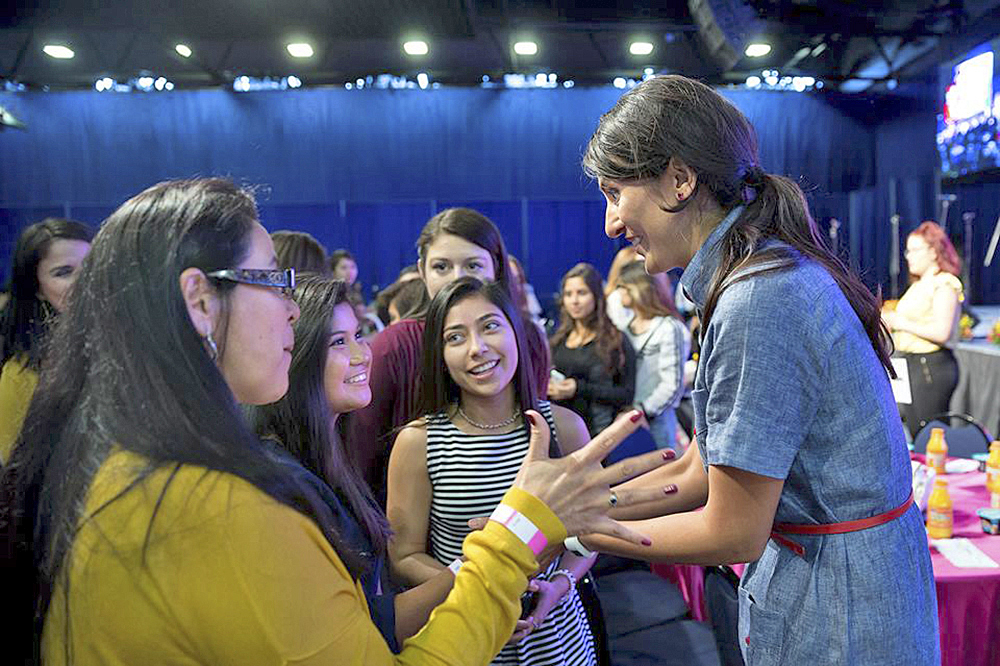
454	243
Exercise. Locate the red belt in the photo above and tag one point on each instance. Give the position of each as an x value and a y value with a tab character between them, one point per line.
834	528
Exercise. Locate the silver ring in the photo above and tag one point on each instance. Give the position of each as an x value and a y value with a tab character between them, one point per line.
613	500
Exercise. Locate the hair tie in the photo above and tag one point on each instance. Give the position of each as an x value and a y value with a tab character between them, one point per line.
755	177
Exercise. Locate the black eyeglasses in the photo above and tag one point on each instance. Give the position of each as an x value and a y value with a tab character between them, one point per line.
281	279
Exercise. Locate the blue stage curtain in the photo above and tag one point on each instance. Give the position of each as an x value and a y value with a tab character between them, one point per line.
365	169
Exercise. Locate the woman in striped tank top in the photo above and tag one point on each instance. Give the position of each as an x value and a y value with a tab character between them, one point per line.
456	463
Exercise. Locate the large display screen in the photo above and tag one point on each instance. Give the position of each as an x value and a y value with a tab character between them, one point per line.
967	138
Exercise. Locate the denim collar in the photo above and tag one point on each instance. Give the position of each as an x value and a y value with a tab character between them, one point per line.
697	277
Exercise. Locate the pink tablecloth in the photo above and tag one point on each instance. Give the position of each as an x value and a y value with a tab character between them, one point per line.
968	599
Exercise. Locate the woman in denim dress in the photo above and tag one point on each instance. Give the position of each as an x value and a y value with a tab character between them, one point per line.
797	429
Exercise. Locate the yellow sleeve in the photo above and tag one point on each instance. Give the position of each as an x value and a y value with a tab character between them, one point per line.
951	282
17	384
275	592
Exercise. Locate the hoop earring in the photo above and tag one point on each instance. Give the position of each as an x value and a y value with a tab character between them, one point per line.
213	349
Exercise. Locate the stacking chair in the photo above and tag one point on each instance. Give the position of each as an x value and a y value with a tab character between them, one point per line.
965	438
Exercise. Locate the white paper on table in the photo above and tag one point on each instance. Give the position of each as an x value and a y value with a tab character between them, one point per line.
901	384
963	554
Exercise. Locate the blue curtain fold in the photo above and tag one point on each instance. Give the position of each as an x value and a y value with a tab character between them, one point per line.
365	169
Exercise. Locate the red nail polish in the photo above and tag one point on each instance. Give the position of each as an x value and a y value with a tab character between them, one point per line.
647	542
668	454
635	417
531	419
670	489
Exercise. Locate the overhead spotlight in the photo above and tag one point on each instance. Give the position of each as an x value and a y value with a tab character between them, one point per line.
757	50
170	85
160	83
619	82
423	80
753	82
415	47
569	84
525	48
640	48
58	51
486	78
349	86
294	82
183	50
300	50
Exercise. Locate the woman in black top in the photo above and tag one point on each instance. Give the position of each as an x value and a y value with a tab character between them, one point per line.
594	364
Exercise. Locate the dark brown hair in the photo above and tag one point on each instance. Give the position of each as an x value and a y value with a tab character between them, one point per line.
300	421
944	251
675	117
438	390
608	338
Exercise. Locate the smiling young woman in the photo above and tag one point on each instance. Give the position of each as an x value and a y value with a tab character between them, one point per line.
798	433
454	464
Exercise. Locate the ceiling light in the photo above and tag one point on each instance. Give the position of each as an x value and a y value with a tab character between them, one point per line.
640	48
293	81
525	48
619	82
416	47
422	80
300	50
757	50
58	51
183	50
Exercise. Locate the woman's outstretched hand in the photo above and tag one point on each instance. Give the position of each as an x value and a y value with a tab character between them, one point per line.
577	489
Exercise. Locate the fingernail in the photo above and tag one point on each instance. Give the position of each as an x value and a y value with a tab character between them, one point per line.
668	454
531	419
670	489
647	542
636	415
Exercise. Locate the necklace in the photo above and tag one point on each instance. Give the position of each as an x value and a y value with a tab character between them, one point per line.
483	426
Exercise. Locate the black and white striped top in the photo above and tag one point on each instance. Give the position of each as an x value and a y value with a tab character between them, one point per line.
469	475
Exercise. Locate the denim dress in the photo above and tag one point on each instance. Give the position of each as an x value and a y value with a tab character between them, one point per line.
789	387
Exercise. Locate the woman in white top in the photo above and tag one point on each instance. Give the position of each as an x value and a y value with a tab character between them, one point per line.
925	323
662	344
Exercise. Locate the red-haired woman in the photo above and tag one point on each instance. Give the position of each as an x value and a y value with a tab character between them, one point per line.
925	323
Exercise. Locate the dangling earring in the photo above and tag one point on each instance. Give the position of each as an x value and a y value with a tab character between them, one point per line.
213	349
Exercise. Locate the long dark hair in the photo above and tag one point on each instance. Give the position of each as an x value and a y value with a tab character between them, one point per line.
608	338
472	226
25	318
300	421
673	116
126	367
438	391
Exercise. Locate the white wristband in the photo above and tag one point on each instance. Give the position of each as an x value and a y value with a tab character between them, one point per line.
521	526
455	565
572	582
574	545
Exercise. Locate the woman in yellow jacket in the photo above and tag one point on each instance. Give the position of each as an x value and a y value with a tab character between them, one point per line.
145	523
46	259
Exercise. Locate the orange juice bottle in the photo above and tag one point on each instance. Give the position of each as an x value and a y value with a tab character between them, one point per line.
937	450
993	475
939	514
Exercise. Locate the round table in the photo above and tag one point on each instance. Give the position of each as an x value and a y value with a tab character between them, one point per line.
968	599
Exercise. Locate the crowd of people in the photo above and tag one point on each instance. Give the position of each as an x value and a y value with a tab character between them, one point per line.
213	434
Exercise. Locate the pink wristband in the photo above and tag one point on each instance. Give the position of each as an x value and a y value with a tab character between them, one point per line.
521	526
